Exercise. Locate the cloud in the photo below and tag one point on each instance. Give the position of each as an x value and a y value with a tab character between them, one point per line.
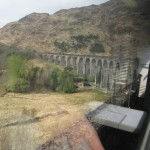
12	10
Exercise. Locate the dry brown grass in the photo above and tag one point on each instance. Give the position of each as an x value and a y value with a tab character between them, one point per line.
40	117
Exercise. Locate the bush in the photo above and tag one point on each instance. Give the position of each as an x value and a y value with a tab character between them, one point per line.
20	85
97	47
62	46
59	88
69	87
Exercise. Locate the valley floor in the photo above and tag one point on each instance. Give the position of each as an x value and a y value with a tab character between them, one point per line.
28	120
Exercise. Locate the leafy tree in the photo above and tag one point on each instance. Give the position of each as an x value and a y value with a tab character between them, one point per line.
62	80
17	74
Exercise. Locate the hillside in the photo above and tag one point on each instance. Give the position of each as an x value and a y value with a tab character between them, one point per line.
97	29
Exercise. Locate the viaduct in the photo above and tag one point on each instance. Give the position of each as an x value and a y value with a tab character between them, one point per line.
104	70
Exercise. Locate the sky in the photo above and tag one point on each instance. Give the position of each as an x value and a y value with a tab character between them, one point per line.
13	10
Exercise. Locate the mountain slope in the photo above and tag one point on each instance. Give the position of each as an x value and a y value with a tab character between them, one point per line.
102	30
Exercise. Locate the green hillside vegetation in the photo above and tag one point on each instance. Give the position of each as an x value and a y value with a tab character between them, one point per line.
18	73
81	41
23	76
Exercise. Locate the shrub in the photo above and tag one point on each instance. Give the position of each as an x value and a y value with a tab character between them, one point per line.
69	87
62	46
97	47
20	85
59	88
85	38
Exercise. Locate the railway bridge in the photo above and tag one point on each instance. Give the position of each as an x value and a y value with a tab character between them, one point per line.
104	70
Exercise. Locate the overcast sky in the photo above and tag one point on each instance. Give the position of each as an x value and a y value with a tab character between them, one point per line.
12	10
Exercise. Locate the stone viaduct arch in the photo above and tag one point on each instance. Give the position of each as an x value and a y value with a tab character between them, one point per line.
93	67
63	60
56	60
74	63
80	67
51	59
87	68
69	61
99	72
102	68
118	77
110	76
105	74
